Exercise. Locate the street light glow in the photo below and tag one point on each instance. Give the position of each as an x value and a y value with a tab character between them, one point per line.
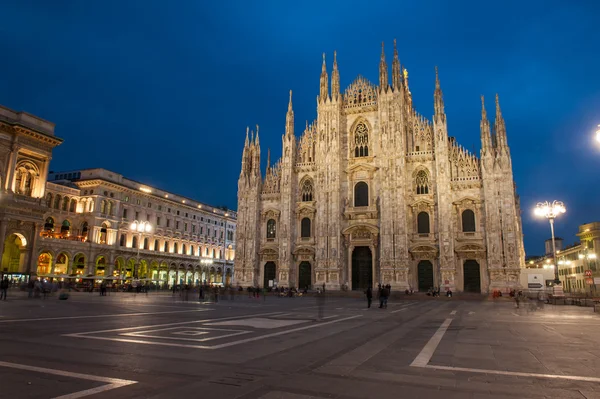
550	212
598	134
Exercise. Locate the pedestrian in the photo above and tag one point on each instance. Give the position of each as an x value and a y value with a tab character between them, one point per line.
4	288
200	293
369	294
30	287
384	294
323	287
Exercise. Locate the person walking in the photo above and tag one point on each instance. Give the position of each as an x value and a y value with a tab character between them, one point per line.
4	288
369	294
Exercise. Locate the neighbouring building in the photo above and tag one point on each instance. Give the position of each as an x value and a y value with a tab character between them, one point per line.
373	192
578	268
79	223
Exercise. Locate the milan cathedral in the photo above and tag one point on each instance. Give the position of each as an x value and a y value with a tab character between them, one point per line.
373	192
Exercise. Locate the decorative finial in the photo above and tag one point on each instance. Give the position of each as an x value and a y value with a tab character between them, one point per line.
334	57
437	78
405	73
290	103
382	51
483	112
323	58
257	140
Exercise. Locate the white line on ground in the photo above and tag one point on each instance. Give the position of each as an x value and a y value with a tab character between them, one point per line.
427	352
84	334
471	313
515	314
102	315
330	317
112	383
453	313
399	310
514	373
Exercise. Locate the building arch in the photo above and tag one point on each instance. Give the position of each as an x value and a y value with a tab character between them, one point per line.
49	200
305	228
44	263
78	264
57	201
423	224
306	189
468	220
61	265
360	138
26	177
49	225
271	229
65	203
100	266
13	256
65	227
422	181
73	205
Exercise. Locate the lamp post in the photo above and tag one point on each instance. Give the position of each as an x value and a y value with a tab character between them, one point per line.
550	211
140	228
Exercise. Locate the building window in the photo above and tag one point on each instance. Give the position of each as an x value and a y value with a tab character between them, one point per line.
146	243
201	230
468	220
175	248
49	226
305	227
178	212
193	228
122	240
137	215
124	213
186	215
307	191
147	217
183	249
134	242
169	210
271	228
361	141
208	232
137	201
423	223
177	225
156	245
160	207
168	223
158	221
166	247
126	199
185	227
149	205
422	182
361	194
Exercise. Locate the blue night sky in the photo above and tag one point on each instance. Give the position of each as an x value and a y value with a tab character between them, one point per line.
162	92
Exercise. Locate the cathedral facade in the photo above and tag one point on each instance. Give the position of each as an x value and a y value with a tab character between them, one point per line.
373	192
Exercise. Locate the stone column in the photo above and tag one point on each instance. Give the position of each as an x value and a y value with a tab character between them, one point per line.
33	250
3	225
12	164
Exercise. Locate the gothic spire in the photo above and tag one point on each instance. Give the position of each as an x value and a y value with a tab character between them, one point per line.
246	143
396	69
484	125
324	93
383	71
289	119
499	126
257	141
268	159
438	98
335	78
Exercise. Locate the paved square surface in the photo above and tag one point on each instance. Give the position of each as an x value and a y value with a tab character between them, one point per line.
159	346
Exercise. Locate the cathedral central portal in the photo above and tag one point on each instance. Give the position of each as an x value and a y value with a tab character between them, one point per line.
362	268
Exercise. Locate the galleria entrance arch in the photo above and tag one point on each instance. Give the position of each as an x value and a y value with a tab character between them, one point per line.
362	268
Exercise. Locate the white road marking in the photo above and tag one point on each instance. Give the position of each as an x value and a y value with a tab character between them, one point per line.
330	317
471	313
453	313
112	383
427	352
225	345
515	314
101	315
514	373
148	334
399	310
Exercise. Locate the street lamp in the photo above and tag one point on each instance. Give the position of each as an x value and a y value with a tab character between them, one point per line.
598	134
140	228
550	212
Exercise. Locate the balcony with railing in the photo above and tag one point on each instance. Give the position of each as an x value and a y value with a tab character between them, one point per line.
49	235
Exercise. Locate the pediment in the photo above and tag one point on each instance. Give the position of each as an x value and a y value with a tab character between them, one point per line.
362	166
304	250
268	251
470	248
270	214
363	228
467	201
306	208
422	202
423	249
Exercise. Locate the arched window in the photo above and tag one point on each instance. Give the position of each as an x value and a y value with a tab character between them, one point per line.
192	250
166	247
468	220
73	206
103	207
49	200
361	141
49	225
156	245
57	201
183	249
423	223
109	208
65	203
214	254
122	240
175	248
361	194
134	242
305	227
65	227
307	191
271	228
146	243
422	182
